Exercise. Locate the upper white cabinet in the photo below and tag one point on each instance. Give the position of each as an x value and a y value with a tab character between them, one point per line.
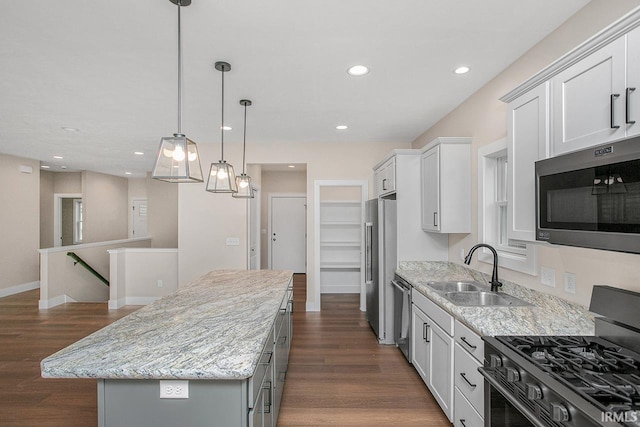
589	100
632	91
446	185
528	135
385	177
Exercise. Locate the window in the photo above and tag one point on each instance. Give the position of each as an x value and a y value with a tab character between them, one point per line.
493	211
77	221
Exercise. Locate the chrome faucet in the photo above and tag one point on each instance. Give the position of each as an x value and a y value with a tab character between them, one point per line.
495	284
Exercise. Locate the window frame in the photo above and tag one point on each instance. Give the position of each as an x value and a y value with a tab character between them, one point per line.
517	255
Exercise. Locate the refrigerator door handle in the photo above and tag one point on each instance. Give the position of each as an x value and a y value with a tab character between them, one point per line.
368	271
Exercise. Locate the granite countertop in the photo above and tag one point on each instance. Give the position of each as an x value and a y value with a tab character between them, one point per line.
549	315
214	328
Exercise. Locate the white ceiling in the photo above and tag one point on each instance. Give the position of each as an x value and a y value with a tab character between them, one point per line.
108	68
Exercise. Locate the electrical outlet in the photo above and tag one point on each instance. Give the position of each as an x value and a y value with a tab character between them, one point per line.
174	389
548	276
570	283
160	283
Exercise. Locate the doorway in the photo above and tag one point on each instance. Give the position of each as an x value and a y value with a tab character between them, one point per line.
288	232
138	218
67	219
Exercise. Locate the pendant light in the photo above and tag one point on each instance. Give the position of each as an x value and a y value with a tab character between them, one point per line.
222	179
243	182
177	159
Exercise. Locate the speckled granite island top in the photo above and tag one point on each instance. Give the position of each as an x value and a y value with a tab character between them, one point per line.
548	315
213	328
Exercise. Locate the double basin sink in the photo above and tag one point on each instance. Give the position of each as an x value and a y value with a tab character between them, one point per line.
474	294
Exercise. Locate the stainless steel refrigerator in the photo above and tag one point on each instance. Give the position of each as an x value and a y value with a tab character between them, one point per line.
380	265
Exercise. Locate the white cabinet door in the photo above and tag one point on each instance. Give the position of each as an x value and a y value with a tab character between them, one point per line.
589	100
632	92
419	326
528	141
385	177
430	173
441	367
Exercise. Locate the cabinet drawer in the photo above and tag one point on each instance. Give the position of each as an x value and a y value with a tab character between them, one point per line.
435	312
262	370
467	378
470	341
466	416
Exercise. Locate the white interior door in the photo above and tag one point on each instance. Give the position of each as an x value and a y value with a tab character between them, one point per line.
139	218
288	233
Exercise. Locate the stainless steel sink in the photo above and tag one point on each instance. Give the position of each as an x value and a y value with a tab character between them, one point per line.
484	299
456	286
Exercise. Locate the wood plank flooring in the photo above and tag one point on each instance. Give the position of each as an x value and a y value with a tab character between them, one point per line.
338	374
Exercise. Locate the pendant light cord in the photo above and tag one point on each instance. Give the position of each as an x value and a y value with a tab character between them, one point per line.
179	74
222	124
244	138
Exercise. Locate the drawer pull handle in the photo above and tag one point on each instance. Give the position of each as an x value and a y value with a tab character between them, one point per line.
464	377
270	354
267	400
628	102
471	346
425	332
384	184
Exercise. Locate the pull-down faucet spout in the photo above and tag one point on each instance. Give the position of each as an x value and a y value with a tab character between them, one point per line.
495	283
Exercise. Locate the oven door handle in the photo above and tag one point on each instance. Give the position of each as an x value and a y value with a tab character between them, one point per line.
505	393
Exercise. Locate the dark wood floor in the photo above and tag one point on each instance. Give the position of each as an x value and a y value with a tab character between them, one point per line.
338	374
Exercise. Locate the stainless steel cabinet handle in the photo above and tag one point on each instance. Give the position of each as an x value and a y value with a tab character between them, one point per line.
464	377
384	184
628	105
267	400
435	219
471	346
613	120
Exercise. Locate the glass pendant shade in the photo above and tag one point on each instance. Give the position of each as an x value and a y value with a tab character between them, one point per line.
222	178
177	160
245	189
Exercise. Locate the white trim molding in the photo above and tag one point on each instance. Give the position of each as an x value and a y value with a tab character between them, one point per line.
12	290
50	303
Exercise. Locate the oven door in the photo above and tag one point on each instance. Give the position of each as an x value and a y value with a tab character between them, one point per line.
500	409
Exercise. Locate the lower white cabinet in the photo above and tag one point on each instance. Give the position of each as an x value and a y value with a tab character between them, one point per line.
433	350
469	383
466	416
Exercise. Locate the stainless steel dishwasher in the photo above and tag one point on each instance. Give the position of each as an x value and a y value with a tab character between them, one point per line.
402	315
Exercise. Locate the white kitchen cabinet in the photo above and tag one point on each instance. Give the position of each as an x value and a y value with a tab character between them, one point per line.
469	383
466	415
632	90
446	185
385	177
528	141
433	349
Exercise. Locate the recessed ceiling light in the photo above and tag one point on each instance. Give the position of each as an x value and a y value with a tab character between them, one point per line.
69	129
226	128
58	157
127	173
292	166
358	70
342	127
45	167
138	153
461	70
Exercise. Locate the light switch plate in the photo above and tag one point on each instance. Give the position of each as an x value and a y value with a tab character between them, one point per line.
233	241
548	276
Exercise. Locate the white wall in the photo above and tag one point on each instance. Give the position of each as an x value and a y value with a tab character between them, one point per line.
483	117
105	207
19	223
205	219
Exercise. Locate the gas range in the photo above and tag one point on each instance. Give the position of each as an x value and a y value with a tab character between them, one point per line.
550	381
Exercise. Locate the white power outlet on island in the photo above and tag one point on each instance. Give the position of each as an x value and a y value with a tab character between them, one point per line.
174	389
548	276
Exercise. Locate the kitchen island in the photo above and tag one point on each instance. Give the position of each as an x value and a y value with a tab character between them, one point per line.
219	345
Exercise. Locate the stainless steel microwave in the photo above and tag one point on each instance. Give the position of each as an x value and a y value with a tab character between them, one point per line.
591	198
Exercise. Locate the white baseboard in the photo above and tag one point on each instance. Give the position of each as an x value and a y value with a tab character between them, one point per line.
19	288
52	302
119	303
340	289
